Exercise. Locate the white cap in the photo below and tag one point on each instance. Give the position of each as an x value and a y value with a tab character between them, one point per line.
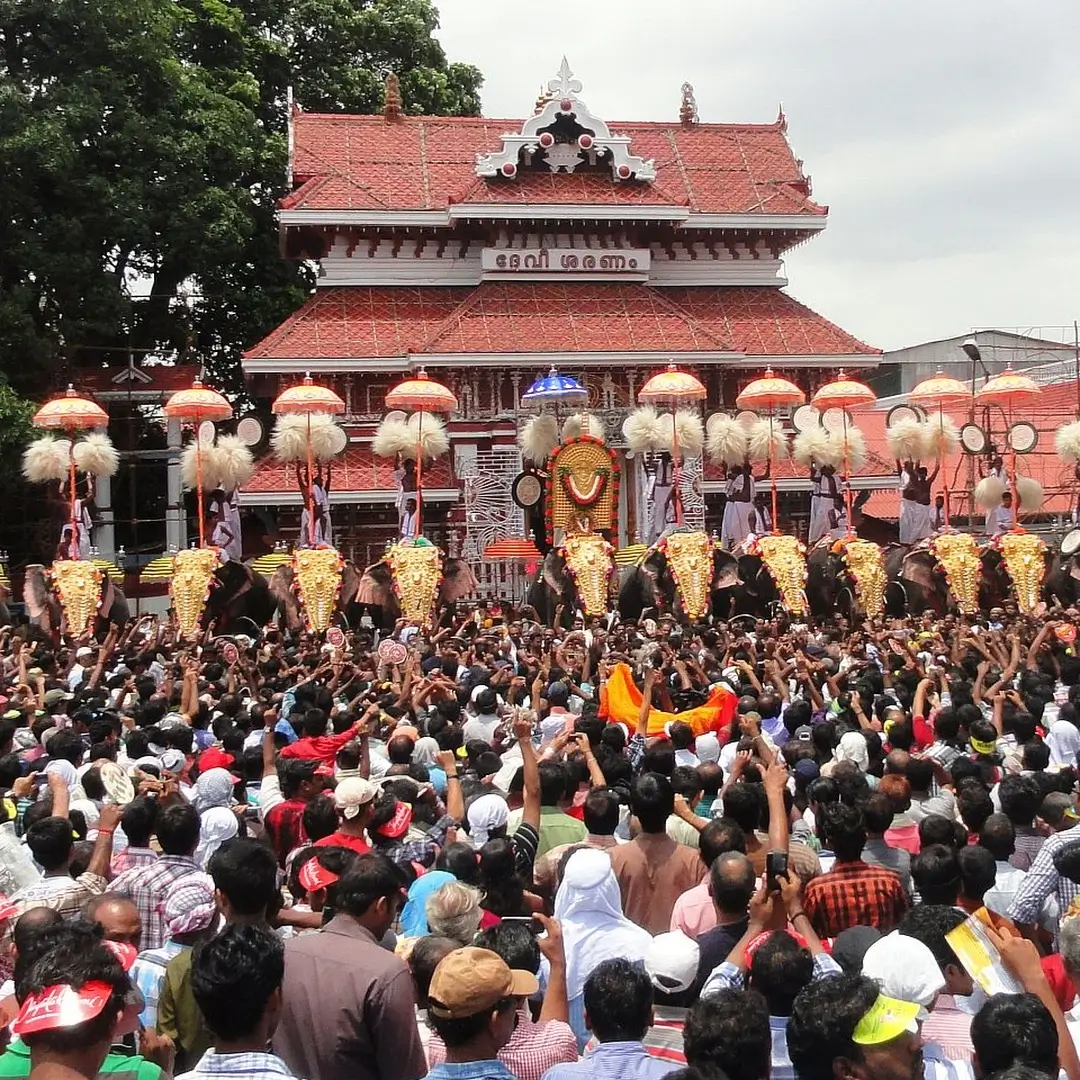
904	968
352	793
707	747
672	962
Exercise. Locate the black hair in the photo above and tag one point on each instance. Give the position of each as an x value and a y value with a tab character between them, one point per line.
743	804
937	829
65	745
729	1030
601	812
935	873
177	829
782	967
504	891
33	936
974	806
652	799
461	860
718	837
686	781
424	958
998	837
878	812
978	871
371	878
233	977
843	831
919	773
1015	1029
245	872
1020	797
138	820
320	817
50	842
292	772
618	1001
824	1016
732	882
929	923
514	943
554	782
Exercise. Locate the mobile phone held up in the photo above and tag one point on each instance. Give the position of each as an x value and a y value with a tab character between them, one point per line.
776	867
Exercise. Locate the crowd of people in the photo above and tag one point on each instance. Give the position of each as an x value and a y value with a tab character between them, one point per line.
287	859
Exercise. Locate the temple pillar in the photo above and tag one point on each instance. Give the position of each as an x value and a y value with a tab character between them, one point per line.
175	515
105	533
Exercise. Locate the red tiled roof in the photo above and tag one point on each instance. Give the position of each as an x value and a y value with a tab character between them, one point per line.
528	317
428	162
765	322
533	317
358	469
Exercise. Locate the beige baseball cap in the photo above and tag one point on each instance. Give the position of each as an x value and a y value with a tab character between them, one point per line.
468	981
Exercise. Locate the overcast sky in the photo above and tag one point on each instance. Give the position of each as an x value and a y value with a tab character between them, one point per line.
943	136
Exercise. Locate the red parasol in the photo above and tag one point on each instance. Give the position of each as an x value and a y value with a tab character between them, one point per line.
196	404
940	390
71	413
421	394
770	392
1006	390
306	399
675	387
844	393
511	549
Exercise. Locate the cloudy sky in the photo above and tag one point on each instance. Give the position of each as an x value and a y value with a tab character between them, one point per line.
942	135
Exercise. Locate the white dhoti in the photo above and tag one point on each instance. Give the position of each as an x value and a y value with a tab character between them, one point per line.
920	522
911	521
820	505
305	540
663	512
735	527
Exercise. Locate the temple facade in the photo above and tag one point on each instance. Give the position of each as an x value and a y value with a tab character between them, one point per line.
488	251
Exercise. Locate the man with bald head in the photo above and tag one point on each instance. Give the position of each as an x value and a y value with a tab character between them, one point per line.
118	918
732	882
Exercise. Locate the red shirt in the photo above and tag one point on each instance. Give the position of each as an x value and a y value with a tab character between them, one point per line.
322	748
340	839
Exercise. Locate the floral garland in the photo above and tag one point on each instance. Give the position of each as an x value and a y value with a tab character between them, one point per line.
599	486
1024	556
549	487
957	555
690	557
785	559
590	569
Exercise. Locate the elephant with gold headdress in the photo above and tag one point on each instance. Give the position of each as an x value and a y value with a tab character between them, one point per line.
91	596
574	578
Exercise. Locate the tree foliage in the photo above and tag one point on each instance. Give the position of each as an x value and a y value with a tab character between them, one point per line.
144	150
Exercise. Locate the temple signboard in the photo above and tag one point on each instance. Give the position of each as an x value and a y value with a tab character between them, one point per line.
548	261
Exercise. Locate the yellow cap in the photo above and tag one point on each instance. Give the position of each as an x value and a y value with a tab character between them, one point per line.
887	1019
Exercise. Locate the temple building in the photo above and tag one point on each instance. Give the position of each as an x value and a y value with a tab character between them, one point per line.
488	251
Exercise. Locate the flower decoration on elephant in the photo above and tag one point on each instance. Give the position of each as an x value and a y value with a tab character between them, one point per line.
785	559
582	485
1024	556
866	565
957	557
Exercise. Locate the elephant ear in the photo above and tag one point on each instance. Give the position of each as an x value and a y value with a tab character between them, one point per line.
35	591
726	571
555	572
459	581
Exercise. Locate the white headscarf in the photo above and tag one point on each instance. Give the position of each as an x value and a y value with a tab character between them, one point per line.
905	969
853	748
217	825
589	909
1063	741
486	814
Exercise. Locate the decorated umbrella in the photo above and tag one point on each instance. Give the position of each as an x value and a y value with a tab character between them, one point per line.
196	404
770	392
940	390
675	387
304	399
71	413
421	394
844	393
556	388
159	569
1007	390
267	564
512	549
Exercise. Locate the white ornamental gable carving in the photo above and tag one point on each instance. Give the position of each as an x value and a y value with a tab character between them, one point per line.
595	141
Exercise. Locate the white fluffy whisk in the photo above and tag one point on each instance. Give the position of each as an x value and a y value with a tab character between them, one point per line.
763	432
578	424
46	459
190	467
856	447
289	438
813	446
232	461
393	437
905	439
538	438
642	430
1030	494
1067	441
988	492
430	436
727	441
940	437
95	453
689	432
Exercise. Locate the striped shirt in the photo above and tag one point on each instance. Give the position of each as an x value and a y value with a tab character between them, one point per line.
1043	880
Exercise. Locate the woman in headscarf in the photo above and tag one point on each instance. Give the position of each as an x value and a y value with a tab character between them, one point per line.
216	825
413	915
589	910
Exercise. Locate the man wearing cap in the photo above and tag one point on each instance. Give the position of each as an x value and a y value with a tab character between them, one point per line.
347	1003
472	1007
354	798
84	662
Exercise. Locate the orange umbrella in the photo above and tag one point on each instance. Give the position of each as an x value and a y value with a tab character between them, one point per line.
1006	390
305	399
196	404
677	387
844	393
421	394
770	392
72	413
940	390
511	549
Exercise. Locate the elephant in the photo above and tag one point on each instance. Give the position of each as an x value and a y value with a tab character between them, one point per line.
240	600
45	612
651	584
1062	582
830	587
553	593
374	594
916	582
287	603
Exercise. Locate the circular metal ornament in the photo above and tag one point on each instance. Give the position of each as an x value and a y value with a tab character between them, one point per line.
250	431
805	418
973	438
207	433
715	419
899	413
395	415
833	420
1022	437
526	490
341	440
1070	542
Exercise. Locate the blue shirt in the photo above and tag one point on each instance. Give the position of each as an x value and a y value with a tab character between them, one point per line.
614	1061
471	1070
